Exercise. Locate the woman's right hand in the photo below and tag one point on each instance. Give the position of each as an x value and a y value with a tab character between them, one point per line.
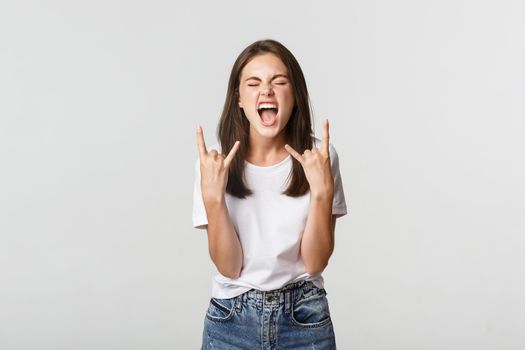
214	169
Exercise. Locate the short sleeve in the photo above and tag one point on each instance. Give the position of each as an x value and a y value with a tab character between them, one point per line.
339	203
199	218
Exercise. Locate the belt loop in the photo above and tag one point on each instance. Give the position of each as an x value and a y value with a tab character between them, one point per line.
238	302
288	300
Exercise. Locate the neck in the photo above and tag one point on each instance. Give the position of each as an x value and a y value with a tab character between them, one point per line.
266	151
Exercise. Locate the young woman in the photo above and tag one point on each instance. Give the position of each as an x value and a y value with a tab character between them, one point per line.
268	194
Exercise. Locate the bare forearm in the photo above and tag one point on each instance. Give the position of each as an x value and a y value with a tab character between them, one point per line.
223	243
318	239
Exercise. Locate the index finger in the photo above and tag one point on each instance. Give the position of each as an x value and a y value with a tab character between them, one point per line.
294	153
200	142
326	136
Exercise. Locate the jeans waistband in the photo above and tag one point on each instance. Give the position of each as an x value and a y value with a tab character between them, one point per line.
272	298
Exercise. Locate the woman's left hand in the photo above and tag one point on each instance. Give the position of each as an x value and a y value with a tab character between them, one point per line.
316	166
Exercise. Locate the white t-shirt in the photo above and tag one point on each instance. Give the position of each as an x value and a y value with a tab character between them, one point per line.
269	225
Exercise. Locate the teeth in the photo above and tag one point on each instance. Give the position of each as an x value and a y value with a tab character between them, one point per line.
267	105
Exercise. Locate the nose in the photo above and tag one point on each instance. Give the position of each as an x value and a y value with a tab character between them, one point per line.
267	90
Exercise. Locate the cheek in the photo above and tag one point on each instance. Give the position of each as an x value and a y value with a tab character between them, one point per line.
247	98
290	104
290	101
289	97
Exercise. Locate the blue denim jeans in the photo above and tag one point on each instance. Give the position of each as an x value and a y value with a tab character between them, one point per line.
293	317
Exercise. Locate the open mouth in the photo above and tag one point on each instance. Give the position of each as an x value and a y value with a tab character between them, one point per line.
268	113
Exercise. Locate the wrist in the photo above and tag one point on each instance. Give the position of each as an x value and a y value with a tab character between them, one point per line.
323	195
213	200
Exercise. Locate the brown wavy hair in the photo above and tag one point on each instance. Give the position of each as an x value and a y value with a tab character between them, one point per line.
234	125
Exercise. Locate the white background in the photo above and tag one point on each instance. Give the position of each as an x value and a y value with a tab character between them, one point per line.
99	102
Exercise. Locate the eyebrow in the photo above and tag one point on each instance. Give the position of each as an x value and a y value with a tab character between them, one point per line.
274	77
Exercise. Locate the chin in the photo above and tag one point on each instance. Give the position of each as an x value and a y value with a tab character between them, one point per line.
271	132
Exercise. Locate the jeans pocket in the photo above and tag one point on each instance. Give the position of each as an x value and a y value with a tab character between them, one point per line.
221	309
311	310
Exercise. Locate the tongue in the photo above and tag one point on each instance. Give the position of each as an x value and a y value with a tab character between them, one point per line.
268	116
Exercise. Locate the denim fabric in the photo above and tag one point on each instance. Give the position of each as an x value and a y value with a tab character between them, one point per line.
294	317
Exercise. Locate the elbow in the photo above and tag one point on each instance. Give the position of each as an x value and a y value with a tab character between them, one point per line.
316	255
229	267
228	264
231	273
317	265
316	269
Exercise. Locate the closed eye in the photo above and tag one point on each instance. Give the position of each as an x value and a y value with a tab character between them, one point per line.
280	81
